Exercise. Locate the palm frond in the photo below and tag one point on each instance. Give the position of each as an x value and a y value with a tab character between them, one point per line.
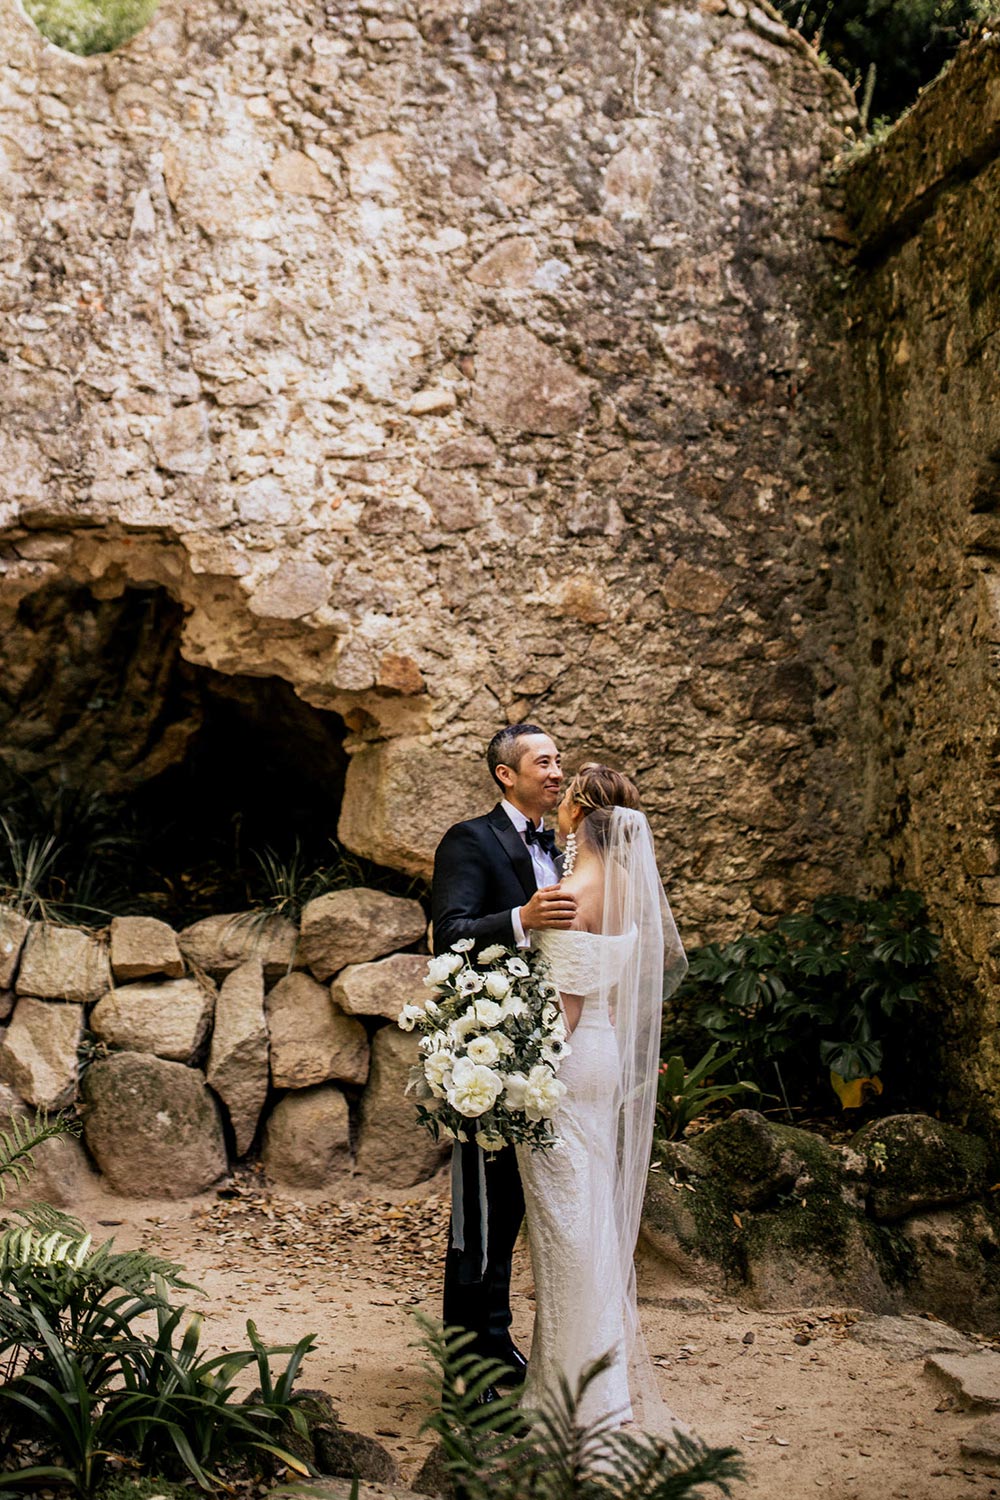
21	1139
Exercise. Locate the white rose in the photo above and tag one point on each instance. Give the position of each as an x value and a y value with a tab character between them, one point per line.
438	1072
441	968
518	967
483	1049
497	985
490	1142
409	1016
474	1088
514	1085
469	982
542	1093
491	954
462	1027
463	945
488	1013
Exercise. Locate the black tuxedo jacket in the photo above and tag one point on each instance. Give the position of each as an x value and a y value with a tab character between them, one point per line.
482	869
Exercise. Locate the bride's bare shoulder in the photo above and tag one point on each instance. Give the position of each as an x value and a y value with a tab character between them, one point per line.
589	892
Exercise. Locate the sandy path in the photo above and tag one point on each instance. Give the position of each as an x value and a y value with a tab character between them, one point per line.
829	1416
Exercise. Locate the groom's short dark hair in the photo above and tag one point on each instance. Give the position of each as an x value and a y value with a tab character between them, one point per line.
502	749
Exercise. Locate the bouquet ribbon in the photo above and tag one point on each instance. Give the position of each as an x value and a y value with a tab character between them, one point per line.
466	1195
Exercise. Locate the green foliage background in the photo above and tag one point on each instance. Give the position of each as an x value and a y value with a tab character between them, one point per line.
907	42
89	26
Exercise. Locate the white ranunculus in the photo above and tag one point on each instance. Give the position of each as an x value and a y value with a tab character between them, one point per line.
518	967
542	1093
469	982
463	945
514	1085
409	1016
441	968
438	1072
474	1088
483	1049
488	1013
497	985
491	954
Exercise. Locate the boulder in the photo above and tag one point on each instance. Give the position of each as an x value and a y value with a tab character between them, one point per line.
910	1337
58	1173
7	1002
342	1454
917	1162
381	988
38	1056
142	947
307	1138
220	944
973	1379
237	1062
13	931
393	1149
152	1126
170	1018
983	1440
953	1265
63	963
311	1041
352	927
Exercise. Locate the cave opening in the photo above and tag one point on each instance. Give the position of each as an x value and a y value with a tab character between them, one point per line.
132	781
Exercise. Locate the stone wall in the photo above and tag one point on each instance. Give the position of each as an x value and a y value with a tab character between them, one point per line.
182	1051
923	310
453	362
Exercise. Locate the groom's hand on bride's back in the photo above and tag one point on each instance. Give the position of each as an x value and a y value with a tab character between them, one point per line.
549	907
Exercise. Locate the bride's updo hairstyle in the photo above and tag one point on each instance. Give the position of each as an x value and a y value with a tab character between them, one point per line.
597	789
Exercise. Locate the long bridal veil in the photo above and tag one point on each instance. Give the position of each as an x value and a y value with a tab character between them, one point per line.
655	964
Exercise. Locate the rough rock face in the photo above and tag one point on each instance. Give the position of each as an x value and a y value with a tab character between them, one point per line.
783	1217
351	927
923	310
142	947
237	1062
307	1138
383	988
152	1126
63	963
13	931
38	1053
312	1042
453	363
928	1163
392	1148
220	944
170	1019
60	1172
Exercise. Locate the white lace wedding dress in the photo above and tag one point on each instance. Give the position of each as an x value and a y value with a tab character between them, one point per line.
581	1238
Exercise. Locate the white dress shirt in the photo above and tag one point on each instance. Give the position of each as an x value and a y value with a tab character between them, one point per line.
543	864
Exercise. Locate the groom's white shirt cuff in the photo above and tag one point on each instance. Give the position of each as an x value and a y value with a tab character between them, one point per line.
520	936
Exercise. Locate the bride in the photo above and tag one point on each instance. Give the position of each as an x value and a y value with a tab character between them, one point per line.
583	1198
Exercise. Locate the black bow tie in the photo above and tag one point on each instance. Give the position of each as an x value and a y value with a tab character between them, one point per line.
544	836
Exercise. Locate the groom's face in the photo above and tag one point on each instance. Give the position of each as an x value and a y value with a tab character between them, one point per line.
535	783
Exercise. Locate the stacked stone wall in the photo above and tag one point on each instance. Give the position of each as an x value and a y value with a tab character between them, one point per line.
923	312
454	362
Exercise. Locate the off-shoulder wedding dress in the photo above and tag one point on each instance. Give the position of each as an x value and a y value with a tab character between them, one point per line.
583	1197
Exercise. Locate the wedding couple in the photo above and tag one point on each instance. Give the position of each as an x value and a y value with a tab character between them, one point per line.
599	915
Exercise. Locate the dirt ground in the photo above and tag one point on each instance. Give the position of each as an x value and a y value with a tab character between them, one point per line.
827	1416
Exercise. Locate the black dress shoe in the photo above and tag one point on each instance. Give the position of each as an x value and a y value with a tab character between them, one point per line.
516	1366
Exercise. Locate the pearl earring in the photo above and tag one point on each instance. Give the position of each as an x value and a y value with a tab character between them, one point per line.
569	858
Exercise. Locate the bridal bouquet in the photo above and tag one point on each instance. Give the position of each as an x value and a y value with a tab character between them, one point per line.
493	1038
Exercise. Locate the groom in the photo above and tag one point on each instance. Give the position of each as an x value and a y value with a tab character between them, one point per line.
496	879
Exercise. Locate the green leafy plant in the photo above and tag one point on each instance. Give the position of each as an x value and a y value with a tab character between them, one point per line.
19	1140
89	26
826	987
497	1451
682	1094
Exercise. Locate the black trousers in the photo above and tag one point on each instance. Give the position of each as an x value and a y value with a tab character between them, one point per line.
474	1300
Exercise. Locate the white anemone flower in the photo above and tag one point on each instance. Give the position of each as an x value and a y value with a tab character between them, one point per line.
463	945
409	1016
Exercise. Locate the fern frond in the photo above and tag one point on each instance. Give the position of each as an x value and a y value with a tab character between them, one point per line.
21	1138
